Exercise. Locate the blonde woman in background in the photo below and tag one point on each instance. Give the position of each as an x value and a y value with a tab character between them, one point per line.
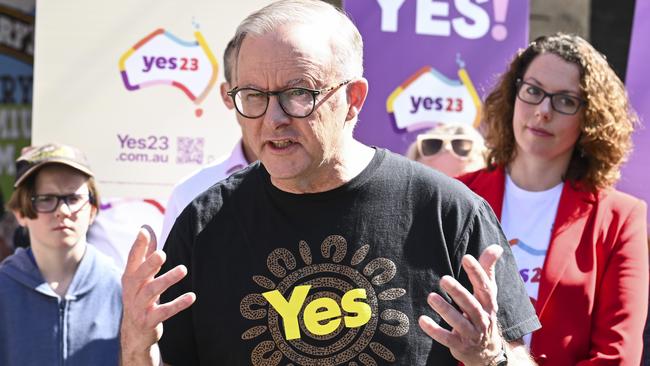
453	149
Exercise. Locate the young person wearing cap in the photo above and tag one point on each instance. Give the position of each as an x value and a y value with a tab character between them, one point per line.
60	300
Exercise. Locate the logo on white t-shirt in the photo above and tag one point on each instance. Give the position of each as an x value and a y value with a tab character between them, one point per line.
530	262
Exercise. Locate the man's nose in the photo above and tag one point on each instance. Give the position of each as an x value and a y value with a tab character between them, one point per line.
275	115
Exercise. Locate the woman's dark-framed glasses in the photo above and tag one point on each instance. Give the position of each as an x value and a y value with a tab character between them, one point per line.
431	144
46	203
561	103
295	102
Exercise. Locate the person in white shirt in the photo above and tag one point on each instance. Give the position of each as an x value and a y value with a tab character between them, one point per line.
191	186
559	126
118	218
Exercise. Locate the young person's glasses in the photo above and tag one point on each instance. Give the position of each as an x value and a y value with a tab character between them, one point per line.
46	203
561	102
429	145
295	102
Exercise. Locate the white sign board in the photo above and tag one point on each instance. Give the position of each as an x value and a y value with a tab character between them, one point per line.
135	85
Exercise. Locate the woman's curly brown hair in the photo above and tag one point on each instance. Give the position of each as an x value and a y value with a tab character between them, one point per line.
607	119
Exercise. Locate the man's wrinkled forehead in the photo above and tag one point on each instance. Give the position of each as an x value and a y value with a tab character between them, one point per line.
291	54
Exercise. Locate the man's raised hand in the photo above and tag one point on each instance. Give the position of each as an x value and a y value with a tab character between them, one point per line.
474	338
142	316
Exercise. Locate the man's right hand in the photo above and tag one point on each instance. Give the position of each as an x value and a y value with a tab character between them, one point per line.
142	315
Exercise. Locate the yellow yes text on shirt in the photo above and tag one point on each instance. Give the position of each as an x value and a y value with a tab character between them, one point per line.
321	316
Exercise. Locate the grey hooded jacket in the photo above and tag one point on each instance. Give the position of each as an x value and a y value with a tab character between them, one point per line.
37	327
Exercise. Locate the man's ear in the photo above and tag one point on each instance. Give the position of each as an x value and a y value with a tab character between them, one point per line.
357	91
227	100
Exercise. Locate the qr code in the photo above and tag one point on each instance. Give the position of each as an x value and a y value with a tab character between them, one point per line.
190	150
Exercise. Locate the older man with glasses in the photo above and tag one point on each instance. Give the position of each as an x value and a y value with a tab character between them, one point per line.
326	251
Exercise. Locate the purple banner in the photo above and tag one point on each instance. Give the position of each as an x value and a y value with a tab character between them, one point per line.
431	61
636	175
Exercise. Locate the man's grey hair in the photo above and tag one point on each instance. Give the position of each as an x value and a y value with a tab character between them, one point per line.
229	60
348	57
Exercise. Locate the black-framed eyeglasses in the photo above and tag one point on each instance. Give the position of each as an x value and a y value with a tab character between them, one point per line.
295	102
431	144
46	203
561	102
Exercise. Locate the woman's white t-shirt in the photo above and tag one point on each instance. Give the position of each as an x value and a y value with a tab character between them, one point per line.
527	219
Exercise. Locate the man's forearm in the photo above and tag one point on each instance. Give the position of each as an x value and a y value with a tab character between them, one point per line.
141	358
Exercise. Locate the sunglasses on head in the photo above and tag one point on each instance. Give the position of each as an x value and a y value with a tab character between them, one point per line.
429	145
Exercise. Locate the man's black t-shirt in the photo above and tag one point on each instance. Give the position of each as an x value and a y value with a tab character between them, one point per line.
339	277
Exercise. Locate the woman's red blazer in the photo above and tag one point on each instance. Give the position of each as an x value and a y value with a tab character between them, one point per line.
593	292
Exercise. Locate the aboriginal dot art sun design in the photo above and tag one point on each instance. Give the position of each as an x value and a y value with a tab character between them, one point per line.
324	311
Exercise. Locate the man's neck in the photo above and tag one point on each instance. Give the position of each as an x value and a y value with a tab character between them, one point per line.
351	160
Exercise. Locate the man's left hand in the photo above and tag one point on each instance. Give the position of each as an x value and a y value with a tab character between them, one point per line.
474	338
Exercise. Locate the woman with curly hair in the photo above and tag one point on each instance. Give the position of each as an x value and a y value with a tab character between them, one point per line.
558	127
